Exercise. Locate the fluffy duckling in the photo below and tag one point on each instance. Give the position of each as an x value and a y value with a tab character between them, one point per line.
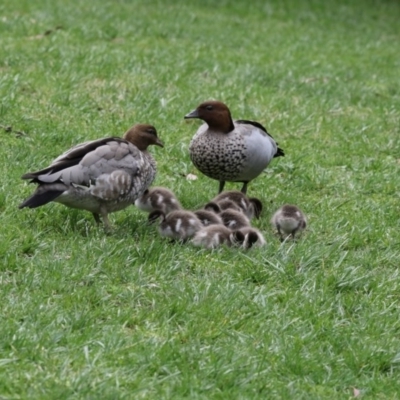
177	225
251	207
101	176
158	198
230	213
224	204
208	217
214	236
227	150
234	220
289	220
251	237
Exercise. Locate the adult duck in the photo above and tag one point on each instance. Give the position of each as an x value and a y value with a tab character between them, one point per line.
101	176
227	150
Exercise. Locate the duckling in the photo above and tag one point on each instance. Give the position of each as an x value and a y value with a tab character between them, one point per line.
158	198
208	217
230	213
213	236
255	208
213	207
234	220
177	225
251	207
252	237
221	205
289	220
227	150
101	176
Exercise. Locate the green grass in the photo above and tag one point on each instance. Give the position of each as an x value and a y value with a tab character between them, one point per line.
87	315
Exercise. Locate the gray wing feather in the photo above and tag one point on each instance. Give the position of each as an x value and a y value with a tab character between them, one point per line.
104	160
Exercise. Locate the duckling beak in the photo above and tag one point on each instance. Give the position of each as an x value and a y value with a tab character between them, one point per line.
193	114
159	143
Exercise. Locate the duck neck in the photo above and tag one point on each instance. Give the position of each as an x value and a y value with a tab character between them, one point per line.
221	123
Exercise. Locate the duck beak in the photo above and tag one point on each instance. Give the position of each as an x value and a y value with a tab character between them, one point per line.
159	143
193	114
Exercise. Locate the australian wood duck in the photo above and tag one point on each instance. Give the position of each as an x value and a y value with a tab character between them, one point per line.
158	198
289	220
214	236
234	220
177	225
100	176
208	217
250	237
221	205
231	214
251	207
227	150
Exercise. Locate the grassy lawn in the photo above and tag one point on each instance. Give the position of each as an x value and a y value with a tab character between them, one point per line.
86	315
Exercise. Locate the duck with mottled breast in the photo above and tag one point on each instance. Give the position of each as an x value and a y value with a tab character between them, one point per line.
227	150
101	176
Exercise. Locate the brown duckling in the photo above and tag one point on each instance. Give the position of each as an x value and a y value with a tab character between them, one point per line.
214	236
158	198
289	220
251	207
177	225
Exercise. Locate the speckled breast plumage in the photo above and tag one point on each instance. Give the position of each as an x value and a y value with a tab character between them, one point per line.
220	156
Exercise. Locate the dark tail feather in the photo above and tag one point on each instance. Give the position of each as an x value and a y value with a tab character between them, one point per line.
279	153
41	196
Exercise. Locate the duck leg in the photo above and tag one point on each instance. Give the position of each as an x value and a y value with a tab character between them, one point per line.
293	234
104	216
221	186
244	187
97	218
278	227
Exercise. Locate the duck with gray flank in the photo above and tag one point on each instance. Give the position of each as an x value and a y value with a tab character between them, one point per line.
227	150
289	220
158	198
101	176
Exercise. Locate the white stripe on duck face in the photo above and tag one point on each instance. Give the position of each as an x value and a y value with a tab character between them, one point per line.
160	199
192	222
178	225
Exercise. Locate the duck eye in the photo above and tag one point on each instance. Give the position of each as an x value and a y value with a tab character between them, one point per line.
151	131
209	107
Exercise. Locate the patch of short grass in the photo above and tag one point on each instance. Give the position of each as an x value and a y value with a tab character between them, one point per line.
128	315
